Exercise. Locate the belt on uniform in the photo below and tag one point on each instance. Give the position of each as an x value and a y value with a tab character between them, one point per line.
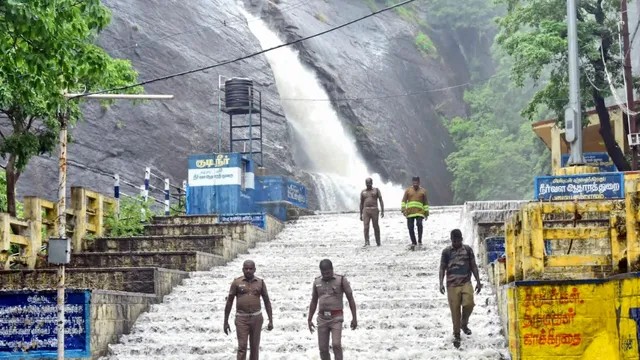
249	314
331	313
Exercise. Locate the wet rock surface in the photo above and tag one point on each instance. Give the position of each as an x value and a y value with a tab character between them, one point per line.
401	314
377	59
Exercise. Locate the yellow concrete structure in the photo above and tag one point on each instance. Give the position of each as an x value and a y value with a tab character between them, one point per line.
553	136
559	304
569	285
86	217
574	319
576	170
526	233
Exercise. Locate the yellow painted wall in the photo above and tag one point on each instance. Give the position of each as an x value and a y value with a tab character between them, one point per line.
574	320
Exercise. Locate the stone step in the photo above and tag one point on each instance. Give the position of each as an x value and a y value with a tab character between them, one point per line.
185	229
402	315
237	237
185	219
212	244
176	260
148	280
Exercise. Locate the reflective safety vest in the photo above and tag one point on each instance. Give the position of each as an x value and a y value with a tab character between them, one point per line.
415	202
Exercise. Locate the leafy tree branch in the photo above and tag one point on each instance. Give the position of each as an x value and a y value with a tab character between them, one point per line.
49	50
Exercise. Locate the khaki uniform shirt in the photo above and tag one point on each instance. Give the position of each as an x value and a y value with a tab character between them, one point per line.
330	292
248	294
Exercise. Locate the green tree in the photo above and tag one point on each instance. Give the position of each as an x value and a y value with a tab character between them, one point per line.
534	32
462	14
497	154
48	48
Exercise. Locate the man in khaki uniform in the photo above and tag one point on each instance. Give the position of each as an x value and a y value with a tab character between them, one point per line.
369	198
458	261
326	294
248	289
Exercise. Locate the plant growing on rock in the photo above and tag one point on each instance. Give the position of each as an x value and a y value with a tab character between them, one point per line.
48	47
534	32
321	17
425	45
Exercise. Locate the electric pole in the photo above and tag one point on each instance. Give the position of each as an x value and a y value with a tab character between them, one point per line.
628	79
62	194
573	113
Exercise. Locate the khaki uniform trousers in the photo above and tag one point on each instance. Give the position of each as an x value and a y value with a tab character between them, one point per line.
330	326
249	327
371	214
460	296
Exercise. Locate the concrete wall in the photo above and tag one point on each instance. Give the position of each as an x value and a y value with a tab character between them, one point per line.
206	243
179	260
153	281
559	319
113	314
574	319
274	227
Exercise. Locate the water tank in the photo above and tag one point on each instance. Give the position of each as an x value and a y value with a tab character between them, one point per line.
238	93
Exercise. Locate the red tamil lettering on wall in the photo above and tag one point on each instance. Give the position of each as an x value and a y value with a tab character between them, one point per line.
551	319
553	297
545	312
551	338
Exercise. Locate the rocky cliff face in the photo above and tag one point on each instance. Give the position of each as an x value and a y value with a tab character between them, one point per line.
396	94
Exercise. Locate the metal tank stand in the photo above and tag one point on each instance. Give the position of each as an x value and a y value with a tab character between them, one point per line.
238	96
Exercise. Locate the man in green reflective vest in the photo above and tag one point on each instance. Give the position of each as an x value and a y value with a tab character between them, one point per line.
415	207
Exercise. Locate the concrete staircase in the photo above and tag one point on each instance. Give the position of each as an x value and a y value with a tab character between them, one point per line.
401	313
140	271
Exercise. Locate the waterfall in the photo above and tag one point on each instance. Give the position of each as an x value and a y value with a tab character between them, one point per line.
330	154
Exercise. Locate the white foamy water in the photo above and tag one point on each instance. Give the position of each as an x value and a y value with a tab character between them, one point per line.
401	313
335	164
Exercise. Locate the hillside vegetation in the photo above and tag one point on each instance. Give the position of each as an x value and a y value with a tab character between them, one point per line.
497	155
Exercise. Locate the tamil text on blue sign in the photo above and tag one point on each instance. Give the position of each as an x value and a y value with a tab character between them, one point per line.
599	159
296	194
586	186
258	220
28	324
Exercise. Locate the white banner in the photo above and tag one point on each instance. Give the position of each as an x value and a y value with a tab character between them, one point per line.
215	176
249	180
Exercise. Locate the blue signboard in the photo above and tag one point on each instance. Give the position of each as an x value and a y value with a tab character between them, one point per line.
494	248
581	187
28	324
296	194
258	220
599	159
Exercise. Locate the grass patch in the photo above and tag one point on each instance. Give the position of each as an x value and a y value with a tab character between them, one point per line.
425	45
322	17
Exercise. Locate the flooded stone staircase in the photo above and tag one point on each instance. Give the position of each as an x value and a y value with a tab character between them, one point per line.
401	313
128	274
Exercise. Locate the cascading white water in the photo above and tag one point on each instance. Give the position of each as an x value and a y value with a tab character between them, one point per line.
401	314
334	160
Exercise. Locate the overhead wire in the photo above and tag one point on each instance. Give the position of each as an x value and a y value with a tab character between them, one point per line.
200	69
